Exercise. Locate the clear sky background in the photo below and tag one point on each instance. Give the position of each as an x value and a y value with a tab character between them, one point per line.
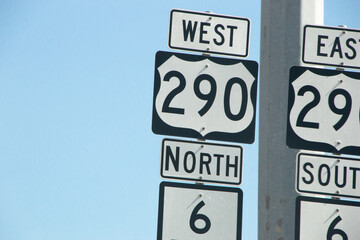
78	159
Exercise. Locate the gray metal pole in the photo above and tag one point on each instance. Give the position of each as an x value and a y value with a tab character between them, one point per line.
282	23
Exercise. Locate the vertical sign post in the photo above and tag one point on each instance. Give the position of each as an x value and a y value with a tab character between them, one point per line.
281	30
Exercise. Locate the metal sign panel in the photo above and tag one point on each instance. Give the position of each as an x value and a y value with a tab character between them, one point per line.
328	175
197	212
201	161
323	110
326	219
204	97
332	46
209	33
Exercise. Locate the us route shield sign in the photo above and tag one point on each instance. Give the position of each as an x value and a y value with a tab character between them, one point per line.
324	110
204	97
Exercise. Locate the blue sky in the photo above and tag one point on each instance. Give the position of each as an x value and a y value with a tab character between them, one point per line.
78	159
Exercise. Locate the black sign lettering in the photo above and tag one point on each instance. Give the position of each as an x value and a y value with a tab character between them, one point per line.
189	29
229	165
311	180
218	157
336	48
202	32
205	162
169	155
354	176
320	44
337	177
327	173
217	31
232	28
192	158
350	40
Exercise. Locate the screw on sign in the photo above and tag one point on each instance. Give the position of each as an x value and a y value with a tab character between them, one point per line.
191	91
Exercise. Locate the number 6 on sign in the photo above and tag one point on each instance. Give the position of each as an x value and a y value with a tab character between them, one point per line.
197	212
326	219
195	215
332	231
204	97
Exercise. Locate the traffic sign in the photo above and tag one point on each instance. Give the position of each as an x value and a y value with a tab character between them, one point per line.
332	46
324	110
204	97
328	175
198	212
201	161
326	219
209	33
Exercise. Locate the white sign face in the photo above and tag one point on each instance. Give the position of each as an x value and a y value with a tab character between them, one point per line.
326	219
198	212
328	175
324	110
209	33
331	46
201	161
204	97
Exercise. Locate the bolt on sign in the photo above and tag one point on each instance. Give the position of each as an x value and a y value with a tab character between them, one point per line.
209	33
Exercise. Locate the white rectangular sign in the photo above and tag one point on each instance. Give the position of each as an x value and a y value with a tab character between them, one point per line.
328	175
332	46
201	161
199	212
209	33
326	219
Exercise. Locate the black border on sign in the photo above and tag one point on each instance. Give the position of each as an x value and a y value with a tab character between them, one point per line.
160	127
300	199
202	143
292	139
322	156
332	28
212	15
200	187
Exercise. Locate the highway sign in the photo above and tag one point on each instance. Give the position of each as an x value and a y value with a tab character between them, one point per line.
324	110
201	161
204	97
198	212
332	46
326	219
328	175
209	33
